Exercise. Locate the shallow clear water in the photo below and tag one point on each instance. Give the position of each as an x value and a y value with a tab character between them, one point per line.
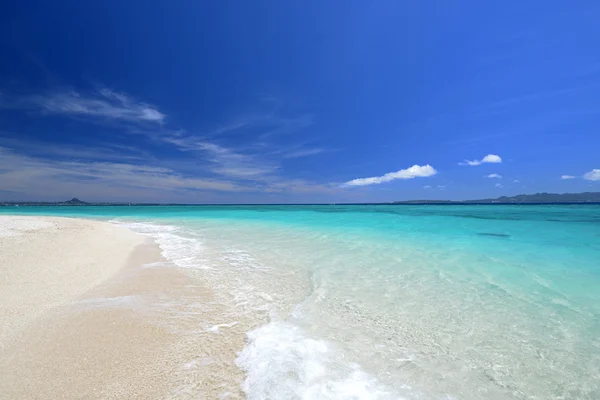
382	301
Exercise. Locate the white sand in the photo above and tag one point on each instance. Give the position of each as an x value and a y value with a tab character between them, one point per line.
80	318
46	262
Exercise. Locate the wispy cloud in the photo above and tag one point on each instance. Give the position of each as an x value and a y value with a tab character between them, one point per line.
258	160
593	175
274	126
303	152
223	160
490	158
210	160
516	181
470	162
253	165
103	103
499	185
416	171
231	127
101	151
567	177
301	186
262	126
438	187
494	176
35	175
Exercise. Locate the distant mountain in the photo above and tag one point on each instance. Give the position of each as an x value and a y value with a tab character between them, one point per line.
538	198
73	202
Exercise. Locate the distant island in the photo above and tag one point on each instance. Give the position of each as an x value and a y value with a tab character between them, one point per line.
538	198
76	202
73	202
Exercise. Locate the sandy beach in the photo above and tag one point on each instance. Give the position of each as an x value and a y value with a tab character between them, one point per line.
82	318
47	262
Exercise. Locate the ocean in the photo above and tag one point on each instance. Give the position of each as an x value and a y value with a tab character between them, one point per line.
390	301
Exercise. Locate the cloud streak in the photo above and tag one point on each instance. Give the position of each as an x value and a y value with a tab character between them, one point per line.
416	171
489	159
208	161
565	177
257	162
34	175
304	152
102	151
222	160
103	103
494	176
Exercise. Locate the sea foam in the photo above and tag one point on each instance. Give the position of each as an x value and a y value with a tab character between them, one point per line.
183	251
282	362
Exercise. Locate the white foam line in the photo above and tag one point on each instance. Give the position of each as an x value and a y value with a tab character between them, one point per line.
217	328
282	363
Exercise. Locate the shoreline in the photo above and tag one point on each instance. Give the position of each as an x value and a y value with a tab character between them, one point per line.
105	326
285	304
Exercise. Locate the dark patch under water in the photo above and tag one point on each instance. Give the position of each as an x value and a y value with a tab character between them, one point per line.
503	235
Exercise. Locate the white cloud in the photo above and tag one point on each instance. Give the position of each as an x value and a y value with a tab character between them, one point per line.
427	187
499	185
516	181
103	103
494	176
567	177
593	175
416	171
470	162
490	158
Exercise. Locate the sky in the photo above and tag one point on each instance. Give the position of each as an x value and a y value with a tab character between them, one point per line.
297	102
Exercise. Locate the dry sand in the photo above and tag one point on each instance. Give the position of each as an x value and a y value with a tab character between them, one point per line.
46	262
82	319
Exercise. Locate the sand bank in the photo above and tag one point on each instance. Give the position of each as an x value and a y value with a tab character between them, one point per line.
46	262
82	318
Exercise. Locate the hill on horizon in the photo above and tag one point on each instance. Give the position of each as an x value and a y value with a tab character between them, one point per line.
537	198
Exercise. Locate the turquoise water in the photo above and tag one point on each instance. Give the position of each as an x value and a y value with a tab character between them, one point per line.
382	301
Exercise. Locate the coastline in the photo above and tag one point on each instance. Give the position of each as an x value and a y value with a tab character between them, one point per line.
83	317
254	303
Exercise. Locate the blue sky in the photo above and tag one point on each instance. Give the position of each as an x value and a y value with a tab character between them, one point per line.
272	101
